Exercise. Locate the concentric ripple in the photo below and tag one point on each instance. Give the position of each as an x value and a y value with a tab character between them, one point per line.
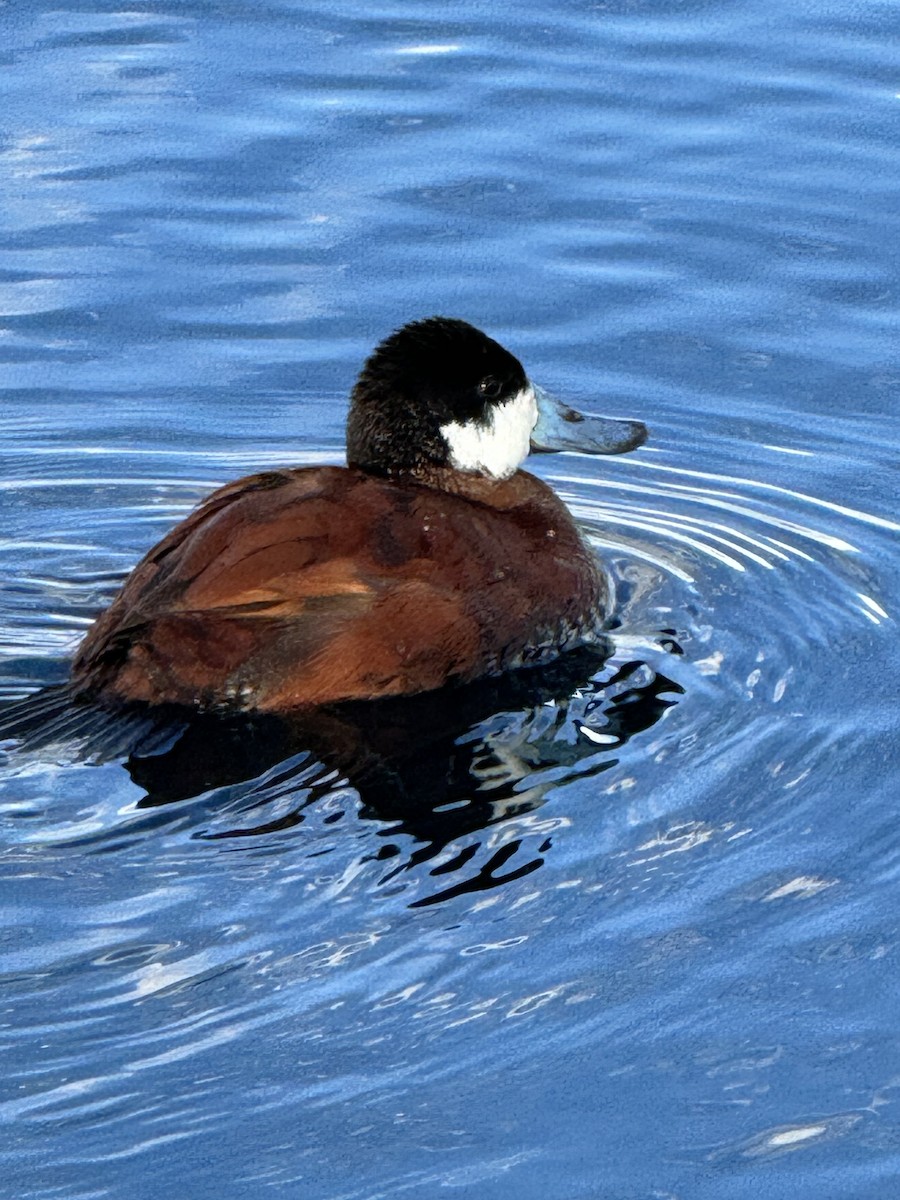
681	544
274	826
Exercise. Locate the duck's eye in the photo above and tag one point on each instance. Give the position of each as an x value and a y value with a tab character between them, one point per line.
490	388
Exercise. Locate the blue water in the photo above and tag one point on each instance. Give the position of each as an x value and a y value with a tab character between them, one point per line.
655	958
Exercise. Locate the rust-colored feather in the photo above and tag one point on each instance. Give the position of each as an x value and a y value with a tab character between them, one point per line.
308	586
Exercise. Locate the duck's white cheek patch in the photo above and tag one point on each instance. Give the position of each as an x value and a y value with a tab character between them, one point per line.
497	449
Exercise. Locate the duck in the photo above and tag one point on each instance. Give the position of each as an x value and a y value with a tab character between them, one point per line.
431	559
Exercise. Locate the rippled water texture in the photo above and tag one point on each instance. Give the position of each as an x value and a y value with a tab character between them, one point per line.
629	936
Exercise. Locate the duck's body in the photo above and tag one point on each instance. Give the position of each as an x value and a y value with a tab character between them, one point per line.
321	584
430	559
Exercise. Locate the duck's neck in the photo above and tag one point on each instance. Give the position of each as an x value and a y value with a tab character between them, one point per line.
519	488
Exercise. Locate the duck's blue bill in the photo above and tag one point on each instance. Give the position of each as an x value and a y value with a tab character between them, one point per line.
562	428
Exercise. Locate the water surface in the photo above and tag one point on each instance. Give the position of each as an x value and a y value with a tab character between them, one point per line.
648	947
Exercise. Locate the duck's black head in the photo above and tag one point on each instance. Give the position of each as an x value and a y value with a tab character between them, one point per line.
439	393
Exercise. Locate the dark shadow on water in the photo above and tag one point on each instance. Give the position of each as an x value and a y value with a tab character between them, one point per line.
434	769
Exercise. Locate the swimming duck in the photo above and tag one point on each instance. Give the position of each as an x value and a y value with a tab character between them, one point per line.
430	559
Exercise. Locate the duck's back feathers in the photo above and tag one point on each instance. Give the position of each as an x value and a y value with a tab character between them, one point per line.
308	586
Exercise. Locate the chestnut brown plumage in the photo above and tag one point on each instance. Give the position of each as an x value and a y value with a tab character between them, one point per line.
319	584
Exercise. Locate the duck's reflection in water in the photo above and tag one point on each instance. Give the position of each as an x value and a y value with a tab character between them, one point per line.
434	768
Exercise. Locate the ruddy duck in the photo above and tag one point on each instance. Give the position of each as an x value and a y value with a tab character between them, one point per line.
431	558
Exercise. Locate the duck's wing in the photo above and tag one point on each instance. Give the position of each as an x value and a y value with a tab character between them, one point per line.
275	593
267	549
